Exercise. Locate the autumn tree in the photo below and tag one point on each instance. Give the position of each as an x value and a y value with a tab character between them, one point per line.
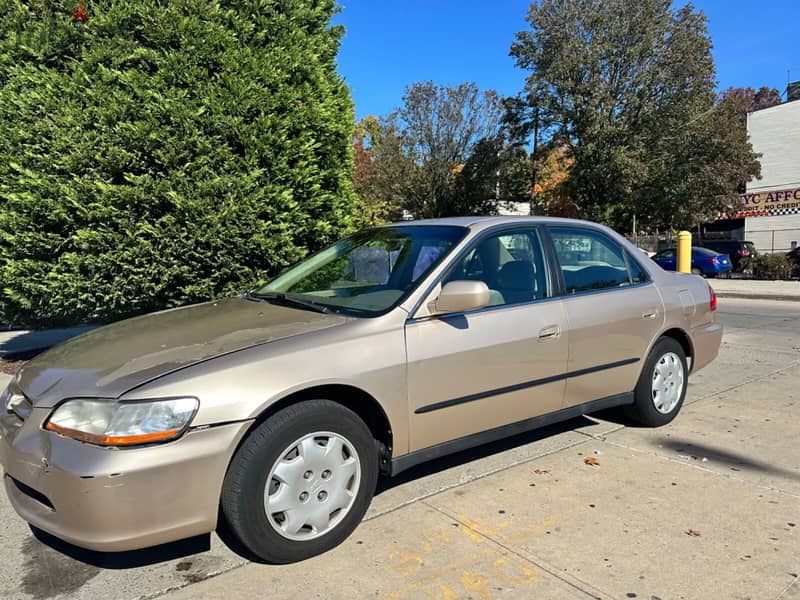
628	86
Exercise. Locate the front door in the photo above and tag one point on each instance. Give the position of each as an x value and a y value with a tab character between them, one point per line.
474	371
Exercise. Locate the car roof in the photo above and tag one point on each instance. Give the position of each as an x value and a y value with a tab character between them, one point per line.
481	222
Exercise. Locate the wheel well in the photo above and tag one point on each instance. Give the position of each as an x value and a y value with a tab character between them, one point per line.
679	335
357	400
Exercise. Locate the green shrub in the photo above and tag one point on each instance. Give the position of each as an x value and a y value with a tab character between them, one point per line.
162	153
769	266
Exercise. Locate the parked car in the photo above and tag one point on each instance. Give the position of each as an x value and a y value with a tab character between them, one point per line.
704	261
277	410
737	251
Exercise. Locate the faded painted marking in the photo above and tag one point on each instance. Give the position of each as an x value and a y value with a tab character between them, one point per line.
405	563
533	529
445	592
477	583
529	573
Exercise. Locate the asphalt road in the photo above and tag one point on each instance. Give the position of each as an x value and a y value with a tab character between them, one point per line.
708	507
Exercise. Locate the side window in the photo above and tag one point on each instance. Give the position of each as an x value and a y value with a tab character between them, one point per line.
589	260
638	274
510	263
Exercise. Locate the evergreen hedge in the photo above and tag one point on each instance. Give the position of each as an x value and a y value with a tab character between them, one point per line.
155	152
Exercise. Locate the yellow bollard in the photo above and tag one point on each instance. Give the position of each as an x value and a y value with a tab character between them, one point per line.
684	257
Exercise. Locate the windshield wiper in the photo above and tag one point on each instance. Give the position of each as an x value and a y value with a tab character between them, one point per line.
282	298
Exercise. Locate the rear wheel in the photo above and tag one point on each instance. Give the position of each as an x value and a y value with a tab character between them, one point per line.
301	481
661	389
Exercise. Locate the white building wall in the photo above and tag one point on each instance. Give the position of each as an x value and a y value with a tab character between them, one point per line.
773	234
775	134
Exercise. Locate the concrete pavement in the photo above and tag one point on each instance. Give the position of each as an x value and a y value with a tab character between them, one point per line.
708	507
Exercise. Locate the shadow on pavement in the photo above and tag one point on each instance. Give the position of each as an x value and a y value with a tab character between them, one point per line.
466	456
24	345
127	560
736	461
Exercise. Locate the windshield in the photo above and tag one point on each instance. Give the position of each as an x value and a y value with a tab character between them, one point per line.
367	273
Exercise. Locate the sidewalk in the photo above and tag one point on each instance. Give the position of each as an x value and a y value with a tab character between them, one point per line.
756	290
22	344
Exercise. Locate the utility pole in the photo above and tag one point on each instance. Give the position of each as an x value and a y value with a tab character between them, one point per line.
532	210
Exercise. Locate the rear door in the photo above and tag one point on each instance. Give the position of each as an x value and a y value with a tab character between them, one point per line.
613	309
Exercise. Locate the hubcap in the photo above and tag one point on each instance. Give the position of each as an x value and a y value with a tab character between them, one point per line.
312	485
667	382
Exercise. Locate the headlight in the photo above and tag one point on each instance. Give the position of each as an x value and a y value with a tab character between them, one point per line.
111	423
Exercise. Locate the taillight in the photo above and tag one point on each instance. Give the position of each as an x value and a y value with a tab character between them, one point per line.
744	252
714	260
712	303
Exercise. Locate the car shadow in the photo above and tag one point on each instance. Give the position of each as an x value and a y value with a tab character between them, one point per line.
25	345
736	461
483	451
130	559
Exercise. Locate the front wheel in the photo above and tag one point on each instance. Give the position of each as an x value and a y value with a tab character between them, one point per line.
661	388
301	481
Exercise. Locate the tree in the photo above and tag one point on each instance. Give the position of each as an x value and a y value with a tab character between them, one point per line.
419	150
552	178
629	87
494	176
158	153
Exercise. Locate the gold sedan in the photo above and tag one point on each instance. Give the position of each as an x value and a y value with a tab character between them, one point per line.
278	409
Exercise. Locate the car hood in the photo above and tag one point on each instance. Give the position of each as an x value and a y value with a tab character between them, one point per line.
109	361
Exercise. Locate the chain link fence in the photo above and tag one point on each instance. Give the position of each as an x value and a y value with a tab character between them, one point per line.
774	241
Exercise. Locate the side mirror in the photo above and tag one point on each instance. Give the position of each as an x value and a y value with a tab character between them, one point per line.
459	296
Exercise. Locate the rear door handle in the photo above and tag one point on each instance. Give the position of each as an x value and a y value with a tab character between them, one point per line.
549	333
652	314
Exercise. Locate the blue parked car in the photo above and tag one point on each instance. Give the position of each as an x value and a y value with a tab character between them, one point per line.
704	261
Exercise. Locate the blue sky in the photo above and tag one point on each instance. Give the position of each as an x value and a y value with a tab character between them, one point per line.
389	45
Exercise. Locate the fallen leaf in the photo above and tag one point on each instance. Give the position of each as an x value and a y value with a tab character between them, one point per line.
541	471
693	533
591	460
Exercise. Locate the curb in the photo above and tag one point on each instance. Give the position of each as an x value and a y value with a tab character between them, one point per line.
755	296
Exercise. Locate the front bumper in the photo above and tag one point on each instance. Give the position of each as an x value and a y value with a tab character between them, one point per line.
115	499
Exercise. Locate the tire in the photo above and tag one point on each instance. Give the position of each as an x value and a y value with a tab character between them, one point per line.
696	271
656	407
305	432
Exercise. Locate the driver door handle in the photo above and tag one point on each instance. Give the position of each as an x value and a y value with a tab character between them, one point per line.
549	333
